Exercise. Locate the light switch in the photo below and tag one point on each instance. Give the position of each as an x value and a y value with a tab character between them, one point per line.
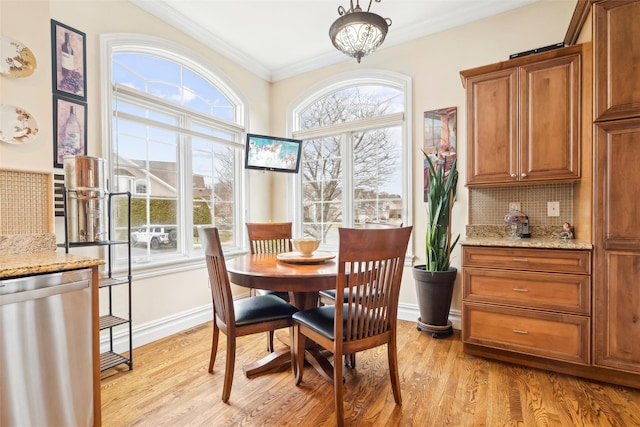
553	208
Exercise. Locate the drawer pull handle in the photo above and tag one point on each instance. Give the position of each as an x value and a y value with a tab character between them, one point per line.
520	290
519	331
521	259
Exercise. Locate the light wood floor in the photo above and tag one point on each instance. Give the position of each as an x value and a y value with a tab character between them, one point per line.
441	386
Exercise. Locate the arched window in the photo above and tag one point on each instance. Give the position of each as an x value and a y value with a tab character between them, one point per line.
176	133
355	167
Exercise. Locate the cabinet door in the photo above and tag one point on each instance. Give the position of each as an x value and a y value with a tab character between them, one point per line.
492	126
527	259
541	291
555	336
617	279
617	59
550	120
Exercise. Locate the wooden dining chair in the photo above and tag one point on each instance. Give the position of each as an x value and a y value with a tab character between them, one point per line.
245	316
370	266
328	296
269	237
272	237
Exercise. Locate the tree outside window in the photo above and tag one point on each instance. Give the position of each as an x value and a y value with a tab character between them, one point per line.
354	173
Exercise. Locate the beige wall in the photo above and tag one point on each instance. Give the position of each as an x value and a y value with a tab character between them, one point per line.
433	63
155	297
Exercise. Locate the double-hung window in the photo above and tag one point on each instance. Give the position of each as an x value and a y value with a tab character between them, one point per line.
176	139
355	167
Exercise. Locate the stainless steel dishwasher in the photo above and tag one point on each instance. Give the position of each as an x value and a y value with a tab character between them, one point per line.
45	350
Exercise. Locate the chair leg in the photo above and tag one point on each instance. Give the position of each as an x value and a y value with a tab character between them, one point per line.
350	360
338	389
393	370
214	346
270	341
292	343
297	356
228	371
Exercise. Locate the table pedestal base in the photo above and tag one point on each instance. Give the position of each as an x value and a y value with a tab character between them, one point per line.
281	358
273	361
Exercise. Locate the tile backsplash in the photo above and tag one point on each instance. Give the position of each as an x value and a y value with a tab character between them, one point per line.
487	206
26	204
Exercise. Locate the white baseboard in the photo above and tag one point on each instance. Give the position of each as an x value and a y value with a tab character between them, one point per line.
162	328
411	313
158	329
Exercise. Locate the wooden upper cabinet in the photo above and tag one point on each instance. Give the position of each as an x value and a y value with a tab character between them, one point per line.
492	127
617	59
523	119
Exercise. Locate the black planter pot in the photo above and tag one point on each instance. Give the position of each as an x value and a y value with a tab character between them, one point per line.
434	290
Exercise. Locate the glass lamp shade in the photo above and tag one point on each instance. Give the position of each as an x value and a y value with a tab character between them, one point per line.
357	34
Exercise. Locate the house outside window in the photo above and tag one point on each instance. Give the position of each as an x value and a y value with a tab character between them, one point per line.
355	166
176	143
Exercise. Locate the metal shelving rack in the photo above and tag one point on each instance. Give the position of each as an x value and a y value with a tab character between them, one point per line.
109	358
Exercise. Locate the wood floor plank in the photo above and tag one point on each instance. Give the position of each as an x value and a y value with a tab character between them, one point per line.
441	386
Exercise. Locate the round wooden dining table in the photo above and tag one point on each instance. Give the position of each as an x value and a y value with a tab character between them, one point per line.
302	280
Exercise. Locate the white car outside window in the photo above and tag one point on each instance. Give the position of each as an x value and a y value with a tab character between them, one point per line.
155	236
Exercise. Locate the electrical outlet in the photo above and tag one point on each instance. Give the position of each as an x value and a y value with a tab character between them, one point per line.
553	208
514	206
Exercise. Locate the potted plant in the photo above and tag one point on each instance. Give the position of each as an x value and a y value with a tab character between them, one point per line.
435	279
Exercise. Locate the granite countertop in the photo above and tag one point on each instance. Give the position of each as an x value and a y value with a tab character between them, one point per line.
533	242
43	262
25	255
543	237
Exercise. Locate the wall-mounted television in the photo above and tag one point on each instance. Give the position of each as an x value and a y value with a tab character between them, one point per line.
272	153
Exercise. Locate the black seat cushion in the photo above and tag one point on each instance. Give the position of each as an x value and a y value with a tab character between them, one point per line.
331	293
321	319
261	308
281	295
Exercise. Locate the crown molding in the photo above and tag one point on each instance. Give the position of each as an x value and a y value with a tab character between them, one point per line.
453	18
172	17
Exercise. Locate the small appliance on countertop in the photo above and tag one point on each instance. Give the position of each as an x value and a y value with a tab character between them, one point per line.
518	223
525	233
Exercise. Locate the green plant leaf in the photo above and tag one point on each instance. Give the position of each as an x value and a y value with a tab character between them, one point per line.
441	196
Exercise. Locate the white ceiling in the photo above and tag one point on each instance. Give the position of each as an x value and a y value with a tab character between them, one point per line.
277	39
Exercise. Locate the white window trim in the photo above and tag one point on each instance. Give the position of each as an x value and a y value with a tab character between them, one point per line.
356	78
144	44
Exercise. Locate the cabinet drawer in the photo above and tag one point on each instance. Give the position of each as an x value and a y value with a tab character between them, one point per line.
554	336
559	292
546	260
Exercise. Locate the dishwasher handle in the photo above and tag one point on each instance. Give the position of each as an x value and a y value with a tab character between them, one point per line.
43	292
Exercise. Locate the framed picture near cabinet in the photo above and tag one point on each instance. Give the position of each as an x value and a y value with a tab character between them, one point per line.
69	63
70	129
440	140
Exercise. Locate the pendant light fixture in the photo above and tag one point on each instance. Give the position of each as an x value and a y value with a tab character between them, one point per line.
357	33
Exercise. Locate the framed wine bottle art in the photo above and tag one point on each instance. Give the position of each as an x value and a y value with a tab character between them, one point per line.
70	126
69	63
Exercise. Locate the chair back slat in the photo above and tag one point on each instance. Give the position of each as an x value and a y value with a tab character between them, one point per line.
370	267
219	279
272	237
